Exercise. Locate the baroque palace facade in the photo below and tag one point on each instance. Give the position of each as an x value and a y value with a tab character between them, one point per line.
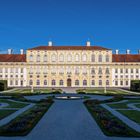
69	66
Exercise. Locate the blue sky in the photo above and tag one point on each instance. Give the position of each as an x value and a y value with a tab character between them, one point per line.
113	24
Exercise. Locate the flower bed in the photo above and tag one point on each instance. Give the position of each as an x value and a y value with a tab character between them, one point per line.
110	125
24	123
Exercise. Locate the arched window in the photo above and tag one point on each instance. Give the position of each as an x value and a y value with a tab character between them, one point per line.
38	82
100	58
45	58
69	58
53	82
84	58
38	58
76	70
107	58
61	82
31	58
77	82
107	82
92	71
93	82
77	58
100	82
61	58
84	70
45	82
53	58
84	82
92	58
107	71
100	70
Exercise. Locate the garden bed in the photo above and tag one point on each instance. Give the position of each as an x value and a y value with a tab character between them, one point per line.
24	123
109	124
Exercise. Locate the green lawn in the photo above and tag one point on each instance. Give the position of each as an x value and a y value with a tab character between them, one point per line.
22	91
5	113
131	114
123	105
101	91
138	105
12	104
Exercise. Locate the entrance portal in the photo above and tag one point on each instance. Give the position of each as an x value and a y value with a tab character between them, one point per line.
69	82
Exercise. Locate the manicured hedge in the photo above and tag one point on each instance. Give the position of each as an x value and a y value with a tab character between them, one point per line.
135	85
3	85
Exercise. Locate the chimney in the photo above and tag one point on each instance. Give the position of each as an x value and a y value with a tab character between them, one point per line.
138	51
127	51
88	44
50	43
21	51
10	51
116	51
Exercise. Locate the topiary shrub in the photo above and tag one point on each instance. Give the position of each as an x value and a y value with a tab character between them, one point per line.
135	85
3	85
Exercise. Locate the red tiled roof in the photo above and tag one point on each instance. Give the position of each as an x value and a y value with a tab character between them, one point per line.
12	58
126	58
69	48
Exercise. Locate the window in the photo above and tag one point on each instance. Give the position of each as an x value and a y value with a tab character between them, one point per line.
31	58
84	58
38	58
116	83
92	58
38	70
61	82
107	82
0	70
45	58
100	70
38	82
76	70
16	83
126	83
69	58
77	82
21	70
31	82
137	70
61	70
126	70
93	82
11	70
45	82
61	58
100	58
107	71
16	70
131	70
11	82
53	58
84	70
107	58
100	82
121	70
116	70
53	83
21	83
121	83
84	82
92	71
77	58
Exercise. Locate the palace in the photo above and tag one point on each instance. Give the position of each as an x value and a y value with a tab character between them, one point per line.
69	66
